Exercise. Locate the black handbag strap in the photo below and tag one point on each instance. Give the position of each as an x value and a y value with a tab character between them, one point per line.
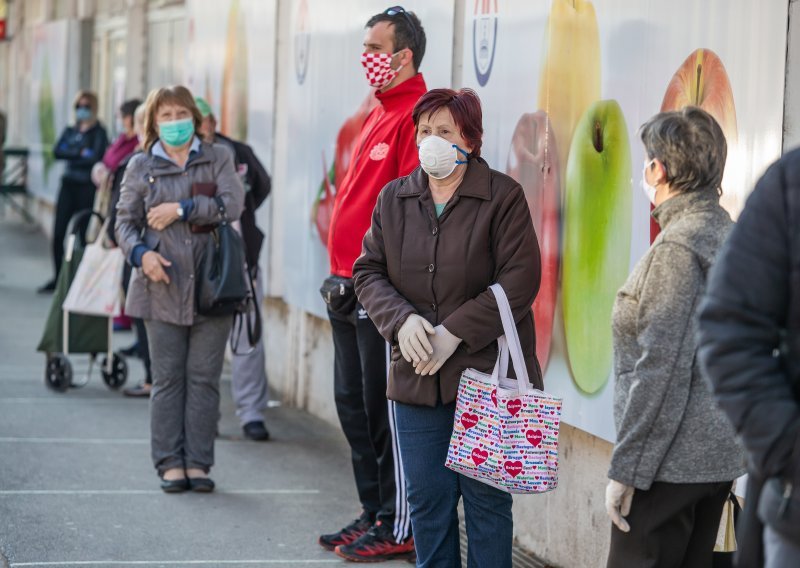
242	319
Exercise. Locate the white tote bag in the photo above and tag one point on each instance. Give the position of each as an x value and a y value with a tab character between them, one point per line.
505	432
96	289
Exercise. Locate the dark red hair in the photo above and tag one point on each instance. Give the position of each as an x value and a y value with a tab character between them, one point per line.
465	107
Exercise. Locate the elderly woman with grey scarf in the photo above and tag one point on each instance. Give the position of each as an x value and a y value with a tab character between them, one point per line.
676	454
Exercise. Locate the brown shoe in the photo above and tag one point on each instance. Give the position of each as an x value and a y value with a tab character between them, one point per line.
141	390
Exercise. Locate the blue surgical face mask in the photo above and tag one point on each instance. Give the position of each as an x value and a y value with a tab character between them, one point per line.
176	132
83	114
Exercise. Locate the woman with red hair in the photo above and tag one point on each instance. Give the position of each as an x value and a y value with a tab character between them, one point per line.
439	238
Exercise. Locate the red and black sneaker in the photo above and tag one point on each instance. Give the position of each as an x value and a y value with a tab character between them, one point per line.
348	534
377	545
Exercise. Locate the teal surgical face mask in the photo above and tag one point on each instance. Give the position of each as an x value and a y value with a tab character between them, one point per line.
83	114
176	132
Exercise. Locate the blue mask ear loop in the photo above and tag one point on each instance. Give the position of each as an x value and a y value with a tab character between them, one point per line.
463	152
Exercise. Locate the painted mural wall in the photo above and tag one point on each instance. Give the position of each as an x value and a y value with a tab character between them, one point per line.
328	97
54	82
230	61
565	86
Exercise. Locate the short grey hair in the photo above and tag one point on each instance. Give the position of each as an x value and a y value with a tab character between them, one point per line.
691	145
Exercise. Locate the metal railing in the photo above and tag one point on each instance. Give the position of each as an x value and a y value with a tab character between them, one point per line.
14	181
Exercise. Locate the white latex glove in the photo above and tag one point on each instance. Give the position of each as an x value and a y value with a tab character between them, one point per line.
618	503
412	337
444	345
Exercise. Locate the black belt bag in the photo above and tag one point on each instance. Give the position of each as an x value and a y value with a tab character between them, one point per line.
340	294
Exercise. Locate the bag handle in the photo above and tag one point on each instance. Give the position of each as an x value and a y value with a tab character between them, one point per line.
222	213
242	319
511	339
501	365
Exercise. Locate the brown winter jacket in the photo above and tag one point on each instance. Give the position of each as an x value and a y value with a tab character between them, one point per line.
441	269
149	181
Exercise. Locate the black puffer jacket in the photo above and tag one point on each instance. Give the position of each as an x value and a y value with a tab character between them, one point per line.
81	150
749	331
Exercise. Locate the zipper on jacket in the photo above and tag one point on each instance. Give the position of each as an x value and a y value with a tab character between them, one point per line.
787	497
435	305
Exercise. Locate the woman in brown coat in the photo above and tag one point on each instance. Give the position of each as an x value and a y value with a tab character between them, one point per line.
439	238
155	214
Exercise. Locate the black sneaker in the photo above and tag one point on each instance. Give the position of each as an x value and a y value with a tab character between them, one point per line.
377	545
256	431
130	351
348	534
47	288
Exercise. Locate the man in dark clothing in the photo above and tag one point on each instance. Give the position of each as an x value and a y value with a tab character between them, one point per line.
749	346
81	146
394	45
248	369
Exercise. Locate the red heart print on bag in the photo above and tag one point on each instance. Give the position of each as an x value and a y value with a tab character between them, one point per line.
514	406
514	468
479	456
469	420
534	437
494	397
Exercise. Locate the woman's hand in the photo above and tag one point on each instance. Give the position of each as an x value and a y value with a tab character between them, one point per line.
618	503
412	338
162	216
444	345
153	267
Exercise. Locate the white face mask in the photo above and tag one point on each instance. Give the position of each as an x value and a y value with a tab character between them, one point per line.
438	157
648	189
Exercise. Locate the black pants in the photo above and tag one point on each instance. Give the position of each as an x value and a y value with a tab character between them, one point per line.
72	197
367	418
672	525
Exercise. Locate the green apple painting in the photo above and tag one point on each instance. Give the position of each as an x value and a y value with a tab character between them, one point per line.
533	162
47	119
233	121
597	239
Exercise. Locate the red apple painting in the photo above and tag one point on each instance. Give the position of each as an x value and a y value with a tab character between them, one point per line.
346	141
533	162
702	81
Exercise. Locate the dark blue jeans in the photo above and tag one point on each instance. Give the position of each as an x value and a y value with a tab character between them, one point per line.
434	491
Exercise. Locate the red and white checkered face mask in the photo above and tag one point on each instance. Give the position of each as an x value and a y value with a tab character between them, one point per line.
379	68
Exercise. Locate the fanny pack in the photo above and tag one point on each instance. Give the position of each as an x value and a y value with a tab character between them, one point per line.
339	294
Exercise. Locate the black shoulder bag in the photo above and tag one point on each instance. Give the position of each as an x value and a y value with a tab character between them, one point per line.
222	286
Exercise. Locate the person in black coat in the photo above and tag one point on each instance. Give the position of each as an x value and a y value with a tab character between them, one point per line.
139	349
248	369
81	146
749	347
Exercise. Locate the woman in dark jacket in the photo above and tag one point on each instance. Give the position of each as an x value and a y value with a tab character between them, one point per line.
81	146
439	238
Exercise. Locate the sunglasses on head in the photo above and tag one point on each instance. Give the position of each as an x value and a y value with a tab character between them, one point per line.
400	11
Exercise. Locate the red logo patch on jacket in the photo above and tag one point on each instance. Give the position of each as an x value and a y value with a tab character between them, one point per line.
379	151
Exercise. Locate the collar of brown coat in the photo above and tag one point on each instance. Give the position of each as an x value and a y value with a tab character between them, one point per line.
477	182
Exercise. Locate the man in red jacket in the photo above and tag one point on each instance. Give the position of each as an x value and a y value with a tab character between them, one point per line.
393	48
